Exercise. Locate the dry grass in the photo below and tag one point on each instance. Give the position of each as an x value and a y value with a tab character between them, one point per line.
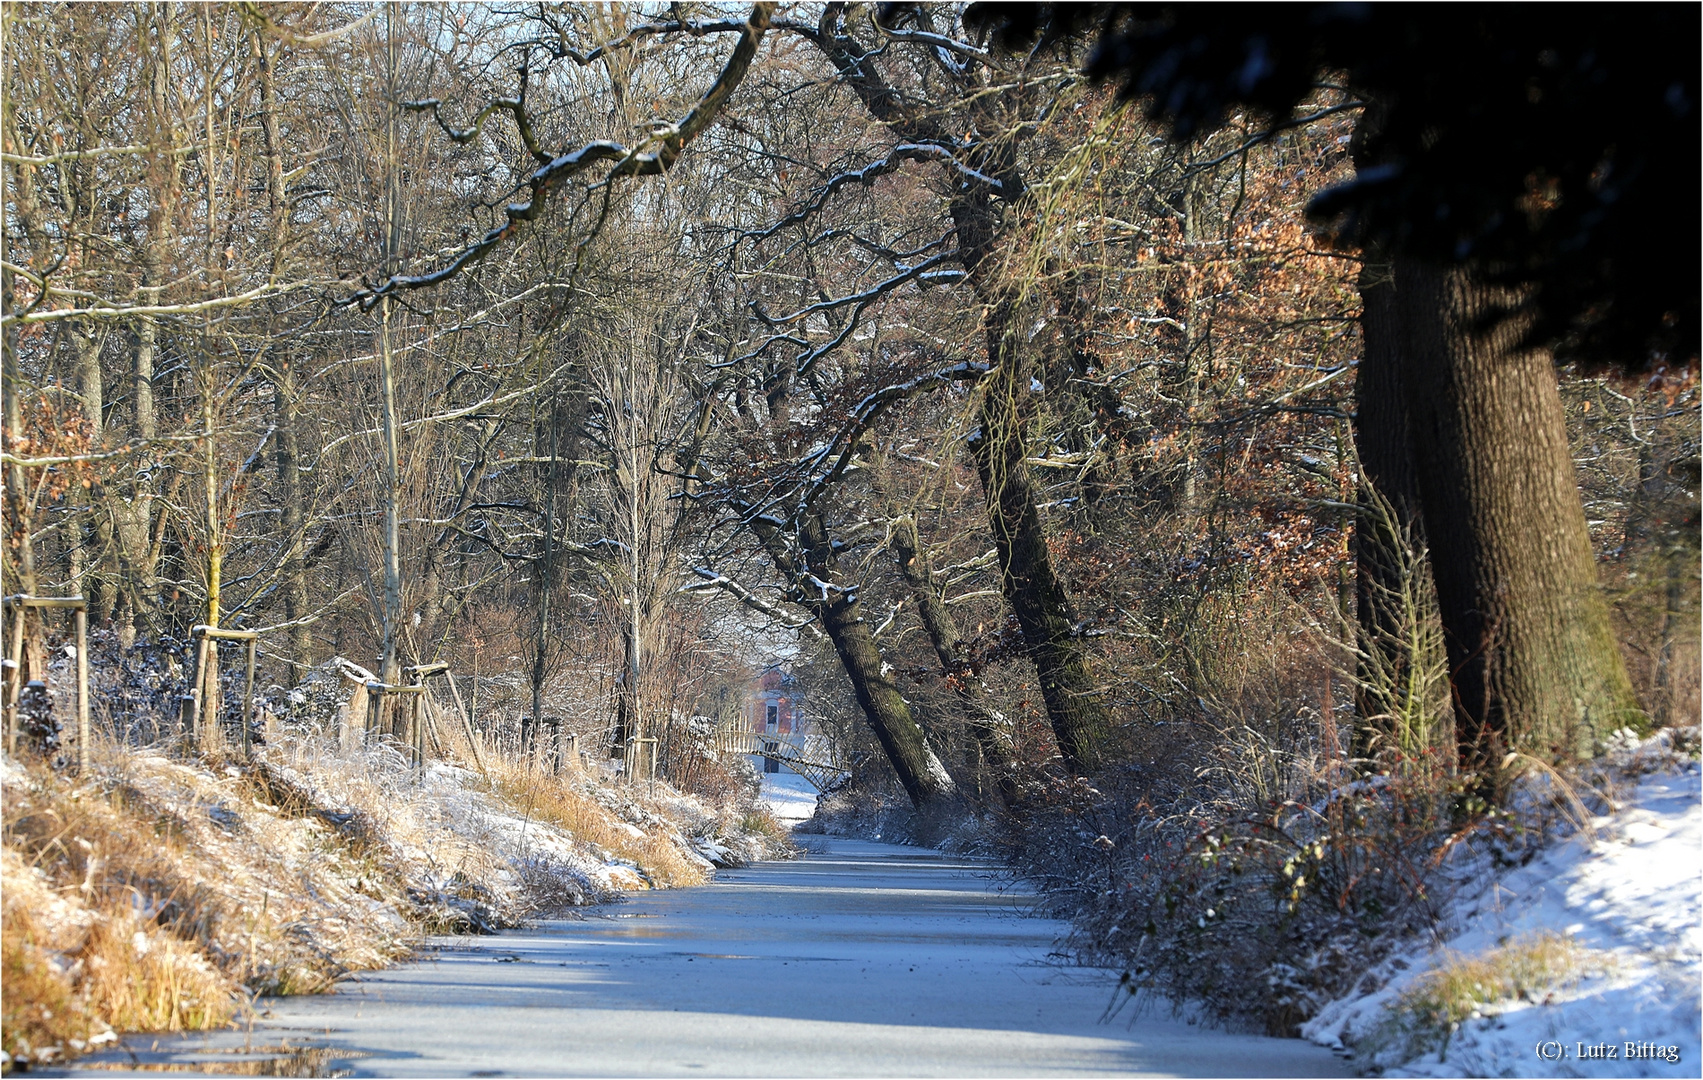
155	895
73	972
151	895
566	802
1461	988
761	821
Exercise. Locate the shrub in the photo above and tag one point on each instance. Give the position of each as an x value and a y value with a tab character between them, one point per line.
1262	917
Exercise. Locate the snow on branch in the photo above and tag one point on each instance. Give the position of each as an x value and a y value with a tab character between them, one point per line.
867	411
668	141
713	580
923	271
306	41
910	151
117	311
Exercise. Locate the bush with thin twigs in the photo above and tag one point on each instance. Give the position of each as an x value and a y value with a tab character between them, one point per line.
1262	918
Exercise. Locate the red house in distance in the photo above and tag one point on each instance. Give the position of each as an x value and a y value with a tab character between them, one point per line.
773	709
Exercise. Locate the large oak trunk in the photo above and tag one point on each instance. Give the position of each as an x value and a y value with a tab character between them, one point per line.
1396	696
1534	664
889	715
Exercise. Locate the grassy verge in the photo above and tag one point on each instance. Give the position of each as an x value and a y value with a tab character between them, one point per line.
1463	988
162	895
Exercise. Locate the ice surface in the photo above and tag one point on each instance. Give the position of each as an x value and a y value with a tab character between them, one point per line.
863	959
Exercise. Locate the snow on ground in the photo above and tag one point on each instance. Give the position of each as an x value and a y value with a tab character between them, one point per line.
789	796
1628	894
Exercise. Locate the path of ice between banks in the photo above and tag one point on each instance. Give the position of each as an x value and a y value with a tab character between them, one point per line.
861	960
865	959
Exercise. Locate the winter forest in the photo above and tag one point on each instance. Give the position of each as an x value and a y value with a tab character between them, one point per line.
1232	476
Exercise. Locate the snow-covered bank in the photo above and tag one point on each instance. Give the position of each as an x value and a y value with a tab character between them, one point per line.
790	797
1614	913
158	893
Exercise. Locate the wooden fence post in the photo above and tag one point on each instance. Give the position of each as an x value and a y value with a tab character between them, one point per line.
248	703
191	722
375	706
14	679
15	671
82	619
466	723
417	730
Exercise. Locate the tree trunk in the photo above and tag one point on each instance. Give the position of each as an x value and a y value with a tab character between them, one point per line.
925	780
292	521
390	667
1027	578
1534	664
1394	698
546	579
943	635
20	507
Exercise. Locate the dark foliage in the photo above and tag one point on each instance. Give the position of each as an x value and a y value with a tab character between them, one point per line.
1547	146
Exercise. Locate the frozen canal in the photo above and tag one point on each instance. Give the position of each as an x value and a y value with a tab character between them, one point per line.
863	960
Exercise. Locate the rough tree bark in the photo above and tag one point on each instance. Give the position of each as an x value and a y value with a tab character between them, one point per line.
1031	587
836	606
1027	578
1533	661
1388	526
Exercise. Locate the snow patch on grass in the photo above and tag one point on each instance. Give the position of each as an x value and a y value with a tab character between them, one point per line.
1616	912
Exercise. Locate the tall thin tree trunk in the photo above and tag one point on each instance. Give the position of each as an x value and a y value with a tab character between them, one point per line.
1192	342
390	665
18	546
1027	578
89	533
292	520
1534	663
546	583
292	515
1673	611
943	635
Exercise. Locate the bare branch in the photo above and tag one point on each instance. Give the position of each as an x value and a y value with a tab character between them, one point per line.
669	140
713	580
306	41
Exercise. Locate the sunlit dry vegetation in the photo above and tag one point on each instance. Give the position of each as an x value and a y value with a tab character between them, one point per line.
519	386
